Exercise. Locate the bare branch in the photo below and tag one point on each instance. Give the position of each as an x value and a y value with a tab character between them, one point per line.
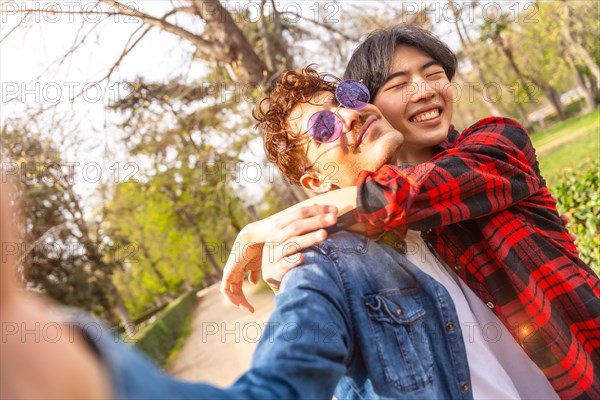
326	26
15	27
40	240
204	46
269	56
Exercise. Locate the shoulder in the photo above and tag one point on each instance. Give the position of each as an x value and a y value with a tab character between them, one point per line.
324	263
496	131
495	123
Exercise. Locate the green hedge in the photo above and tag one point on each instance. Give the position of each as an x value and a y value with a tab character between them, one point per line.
578	193
159	339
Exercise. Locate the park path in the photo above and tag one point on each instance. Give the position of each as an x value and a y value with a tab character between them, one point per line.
548	147
223	338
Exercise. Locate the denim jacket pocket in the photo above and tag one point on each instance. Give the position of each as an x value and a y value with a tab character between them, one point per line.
403	345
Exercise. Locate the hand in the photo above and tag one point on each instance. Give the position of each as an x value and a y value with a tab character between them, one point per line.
283	235
39	358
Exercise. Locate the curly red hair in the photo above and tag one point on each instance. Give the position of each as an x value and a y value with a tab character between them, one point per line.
283	146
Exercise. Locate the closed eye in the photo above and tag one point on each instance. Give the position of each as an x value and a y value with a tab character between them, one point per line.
398	85
436	74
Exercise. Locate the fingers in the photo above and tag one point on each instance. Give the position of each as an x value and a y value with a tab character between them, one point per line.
254	277
243	258
235	294
275	251
303	220
291	231
232	288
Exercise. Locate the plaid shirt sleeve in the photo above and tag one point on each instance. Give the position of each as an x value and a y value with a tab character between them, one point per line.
528	272
491	167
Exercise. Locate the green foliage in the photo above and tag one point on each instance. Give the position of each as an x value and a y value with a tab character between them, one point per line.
166	258
60	256
578	193
160	338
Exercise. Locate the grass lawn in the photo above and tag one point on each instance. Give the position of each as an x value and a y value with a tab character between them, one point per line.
576	152
590	120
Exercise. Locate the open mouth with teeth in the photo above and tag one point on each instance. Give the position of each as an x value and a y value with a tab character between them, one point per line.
426	115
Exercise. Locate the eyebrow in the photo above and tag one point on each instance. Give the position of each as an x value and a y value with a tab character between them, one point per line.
403	73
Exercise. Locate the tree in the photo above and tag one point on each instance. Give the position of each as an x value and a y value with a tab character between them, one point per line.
64	256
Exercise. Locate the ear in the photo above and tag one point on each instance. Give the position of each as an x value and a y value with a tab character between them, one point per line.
314	183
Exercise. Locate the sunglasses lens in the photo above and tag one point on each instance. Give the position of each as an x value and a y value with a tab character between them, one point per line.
324	127
352	94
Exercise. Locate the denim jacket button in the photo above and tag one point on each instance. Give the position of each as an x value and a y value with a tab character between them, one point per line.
464	387
450	326
399	311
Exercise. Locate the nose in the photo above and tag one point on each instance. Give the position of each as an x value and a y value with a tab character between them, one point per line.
348	116
423	89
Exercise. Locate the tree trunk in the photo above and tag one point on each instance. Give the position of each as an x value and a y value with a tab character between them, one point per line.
554	97
469	56
121	309
185	216
590	103
590	91
211	259
509	55
205	247
593	85
153	266
492	108
221	26
576	49
282	45
266	42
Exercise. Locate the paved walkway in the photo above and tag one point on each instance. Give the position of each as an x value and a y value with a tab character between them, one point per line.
223	338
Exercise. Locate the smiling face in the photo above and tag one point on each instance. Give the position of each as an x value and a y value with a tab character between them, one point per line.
416	98
367	143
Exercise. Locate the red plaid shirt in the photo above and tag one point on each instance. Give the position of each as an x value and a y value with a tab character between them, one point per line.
485	209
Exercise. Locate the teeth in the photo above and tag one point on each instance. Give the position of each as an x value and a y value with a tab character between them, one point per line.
426	115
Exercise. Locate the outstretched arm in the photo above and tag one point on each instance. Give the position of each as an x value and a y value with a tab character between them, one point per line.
71	365
40	356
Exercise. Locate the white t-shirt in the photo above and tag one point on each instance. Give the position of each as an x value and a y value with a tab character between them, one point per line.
499	367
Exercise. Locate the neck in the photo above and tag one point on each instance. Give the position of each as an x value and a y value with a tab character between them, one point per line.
414	155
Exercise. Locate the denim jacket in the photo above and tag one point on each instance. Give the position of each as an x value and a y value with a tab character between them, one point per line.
356	318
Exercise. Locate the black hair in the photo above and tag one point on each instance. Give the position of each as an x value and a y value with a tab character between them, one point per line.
372	60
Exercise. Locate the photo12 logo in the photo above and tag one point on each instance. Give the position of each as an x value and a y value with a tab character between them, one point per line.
68	171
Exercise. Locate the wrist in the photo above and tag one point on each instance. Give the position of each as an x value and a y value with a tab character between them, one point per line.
252	234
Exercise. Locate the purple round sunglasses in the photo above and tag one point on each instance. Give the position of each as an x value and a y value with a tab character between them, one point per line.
326	126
